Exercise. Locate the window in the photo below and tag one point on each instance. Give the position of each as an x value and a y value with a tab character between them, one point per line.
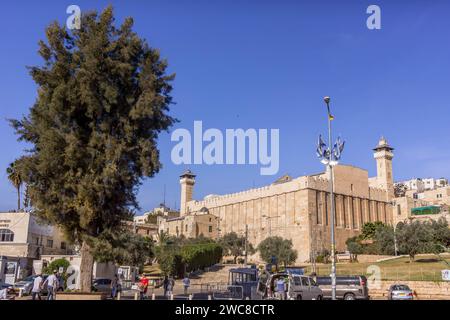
63	245
185	228
324	281
210	228
49	243
305	282
6	235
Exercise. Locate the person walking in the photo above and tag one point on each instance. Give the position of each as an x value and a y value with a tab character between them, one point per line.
61	284
37	286
52	285
165	284
114	286
186	284
143	285
170	285
280	289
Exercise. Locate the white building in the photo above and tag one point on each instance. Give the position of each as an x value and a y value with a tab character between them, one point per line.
23	239
419	185
162	211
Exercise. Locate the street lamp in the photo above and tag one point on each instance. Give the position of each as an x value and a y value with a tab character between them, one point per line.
330	157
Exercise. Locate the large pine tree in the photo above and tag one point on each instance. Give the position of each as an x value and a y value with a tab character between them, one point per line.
103	98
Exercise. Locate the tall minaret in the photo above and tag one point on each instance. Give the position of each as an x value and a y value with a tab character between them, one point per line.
187	181
383	155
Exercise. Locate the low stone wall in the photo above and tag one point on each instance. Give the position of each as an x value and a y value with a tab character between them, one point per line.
424	290
368	258
80	296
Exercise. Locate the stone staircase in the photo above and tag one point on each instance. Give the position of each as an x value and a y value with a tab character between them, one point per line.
215	274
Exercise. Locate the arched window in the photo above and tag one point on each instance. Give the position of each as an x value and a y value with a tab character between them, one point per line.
6	235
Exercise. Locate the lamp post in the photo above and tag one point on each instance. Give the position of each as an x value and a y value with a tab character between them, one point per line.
330	155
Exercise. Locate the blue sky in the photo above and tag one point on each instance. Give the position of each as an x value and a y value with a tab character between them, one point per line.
268	64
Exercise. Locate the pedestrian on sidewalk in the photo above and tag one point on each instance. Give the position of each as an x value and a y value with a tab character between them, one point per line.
143	286
280	289
52	285
114	286
170	285
37	286
186	283
165	284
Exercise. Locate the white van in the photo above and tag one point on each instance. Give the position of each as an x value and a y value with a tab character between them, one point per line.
297	287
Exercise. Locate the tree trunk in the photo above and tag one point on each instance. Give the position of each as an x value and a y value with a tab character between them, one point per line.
86	266
18	198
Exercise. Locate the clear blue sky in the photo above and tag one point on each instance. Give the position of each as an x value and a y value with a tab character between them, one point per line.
267	64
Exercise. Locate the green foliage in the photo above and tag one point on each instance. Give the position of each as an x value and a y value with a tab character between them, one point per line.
384	240
187	255
16	178
279	248
323	256
412	238
423	237
234	245
355	247
199	256
169	259
55	265
369	229
123	247
103	98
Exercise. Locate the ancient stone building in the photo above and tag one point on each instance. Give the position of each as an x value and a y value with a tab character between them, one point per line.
299	208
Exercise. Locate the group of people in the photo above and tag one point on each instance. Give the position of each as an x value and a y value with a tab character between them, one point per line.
168	285
52	282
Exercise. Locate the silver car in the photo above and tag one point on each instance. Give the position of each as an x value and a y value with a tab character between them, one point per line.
26	285
400	292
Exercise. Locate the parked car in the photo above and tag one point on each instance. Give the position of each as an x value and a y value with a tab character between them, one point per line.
26	285
102	285
347	287
298	287
400	292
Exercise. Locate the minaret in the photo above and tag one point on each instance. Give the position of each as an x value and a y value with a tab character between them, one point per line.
383	155
187	181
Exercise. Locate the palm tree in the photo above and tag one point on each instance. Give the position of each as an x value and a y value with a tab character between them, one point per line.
16	180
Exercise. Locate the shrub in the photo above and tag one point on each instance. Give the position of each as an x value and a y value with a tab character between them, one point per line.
55	265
